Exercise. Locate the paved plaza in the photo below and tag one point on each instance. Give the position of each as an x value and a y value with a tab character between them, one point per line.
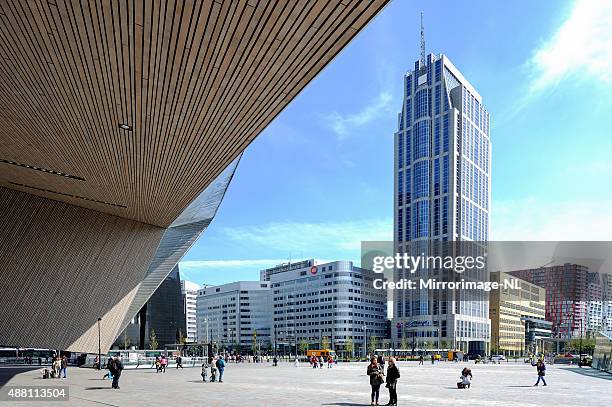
344	385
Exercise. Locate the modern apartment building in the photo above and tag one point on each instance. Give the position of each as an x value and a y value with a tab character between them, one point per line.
190	294
332	304
235	316
567	295
442	194
518	323
607	302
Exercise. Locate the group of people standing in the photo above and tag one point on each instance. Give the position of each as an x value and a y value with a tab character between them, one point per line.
59	367
376	372
319	362
217	364
161	362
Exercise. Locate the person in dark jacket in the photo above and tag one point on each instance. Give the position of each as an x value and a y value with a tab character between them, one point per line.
377	378
392	375
116	368
541	368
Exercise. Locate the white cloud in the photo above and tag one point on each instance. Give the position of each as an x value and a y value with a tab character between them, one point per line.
343	124
532	219
581	46
313	238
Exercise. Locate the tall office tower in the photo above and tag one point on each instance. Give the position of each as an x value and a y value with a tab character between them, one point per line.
442	194
190	294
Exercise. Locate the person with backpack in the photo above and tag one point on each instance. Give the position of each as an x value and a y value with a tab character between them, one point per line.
392	375
221	367
376	375
465	379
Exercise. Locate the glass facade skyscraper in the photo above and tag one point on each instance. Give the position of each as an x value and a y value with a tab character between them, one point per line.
442	194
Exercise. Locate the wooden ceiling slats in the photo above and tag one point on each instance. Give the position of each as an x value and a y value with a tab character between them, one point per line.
196	80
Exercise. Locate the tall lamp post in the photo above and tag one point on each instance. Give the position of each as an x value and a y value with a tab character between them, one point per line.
99	345
365	340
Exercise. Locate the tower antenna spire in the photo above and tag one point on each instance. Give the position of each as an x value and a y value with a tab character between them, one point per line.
422	42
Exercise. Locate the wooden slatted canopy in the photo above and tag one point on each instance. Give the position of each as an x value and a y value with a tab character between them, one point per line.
192	83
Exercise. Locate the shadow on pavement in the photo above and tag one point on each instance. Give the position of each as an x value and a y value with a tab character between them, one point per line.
98	388
344	404
522	385
7	373
590	372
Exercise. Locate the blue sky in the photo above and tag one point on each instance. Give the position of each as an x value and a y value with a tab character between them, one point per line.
319	179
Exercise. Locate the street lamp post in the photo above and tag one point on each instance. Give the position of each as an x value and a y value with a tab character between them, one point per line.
99	345
365	340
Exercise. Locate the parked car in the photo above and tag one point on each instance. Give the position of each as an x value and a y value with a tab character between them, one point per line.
497	358
474	356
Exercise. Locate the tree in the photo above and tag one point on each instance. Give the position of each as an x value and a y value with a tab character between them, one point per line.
254	346
372	344
303	345
386	343
445	344
404	344
153	344
126	341
325	343
349	346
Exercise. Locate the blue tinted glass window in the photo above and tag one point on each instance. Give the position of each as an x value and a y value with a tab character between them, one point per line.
408	112
438	70
408	85
420	103
445	215
421	179
420	216
400	188
438	98
437	137
420	147
437	176
408	187
407	146
400	225
445	175
400	150
445	136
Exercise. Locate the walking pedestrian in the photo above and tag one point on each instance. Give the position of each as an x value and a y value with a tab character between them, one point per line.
421	359
321	362
433	358
108	374
392	375
116	368
541	368
221	367
164	363
179	362
376	379
157	364
63	366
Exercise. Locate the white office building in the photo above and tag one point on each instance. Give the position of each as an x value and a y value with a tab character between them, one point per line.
329	304
190	293
235	316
